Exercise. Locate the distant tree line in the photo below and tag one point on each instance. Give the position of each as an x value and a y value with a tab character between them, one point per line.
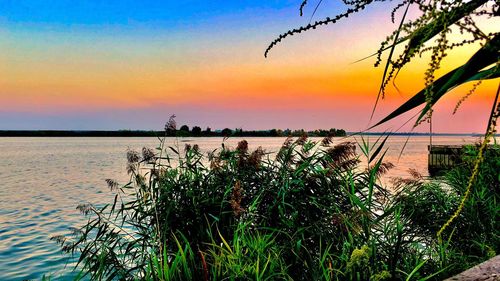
183	131
196	131
79	133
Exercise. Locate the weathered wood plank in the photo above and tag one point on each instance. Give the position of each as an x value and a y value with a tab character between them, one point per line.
486	271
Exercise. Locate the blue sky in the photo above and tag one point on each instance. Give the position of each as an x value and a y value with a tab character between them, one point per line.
171	13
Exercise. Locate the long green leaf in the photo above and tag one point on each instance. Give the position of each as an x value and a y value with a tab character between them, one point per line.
470	71
487	55
408	278
378	149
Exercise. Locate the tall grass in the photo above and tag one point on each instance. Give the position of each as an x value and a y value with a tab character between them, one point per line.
312	211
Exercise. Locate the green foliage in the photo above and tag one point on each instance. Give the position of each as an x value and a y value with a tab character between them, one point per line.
359	263
174	265
474	237
470	71
479	221
307	212
250	256
381	276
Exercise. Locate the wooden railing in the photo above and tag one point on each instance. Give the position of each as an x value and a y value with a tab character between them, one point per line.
443	157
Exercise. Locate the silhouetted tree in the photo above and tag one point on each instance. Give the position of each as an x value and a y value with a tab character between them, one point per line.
227	132
184	128
196	131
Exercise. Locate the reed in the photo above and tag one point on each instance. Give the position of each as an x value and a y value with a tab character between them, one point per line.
312	211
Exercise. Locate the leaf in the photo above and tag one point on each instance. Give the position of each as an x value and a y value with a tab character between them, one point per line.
373	172
408	278
379	148
491	73
401	40
174	150
487	55
114	205
470	71
225	242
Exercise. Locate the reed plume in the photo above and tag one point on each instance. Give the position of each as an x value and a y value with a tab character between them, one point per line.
236	197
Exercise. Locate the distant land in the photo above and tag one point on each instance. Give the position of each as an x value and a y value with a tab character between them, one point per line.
196	132
184	131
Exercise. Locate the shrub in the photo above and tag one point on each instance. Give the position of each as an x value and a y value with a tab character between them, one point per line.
474	237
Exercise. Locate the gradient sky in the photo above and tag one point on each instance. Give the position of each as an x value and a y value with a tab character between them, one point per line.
131	64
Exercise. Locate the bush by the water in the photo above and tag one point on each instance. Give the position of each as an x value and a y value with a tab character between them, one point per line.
311	211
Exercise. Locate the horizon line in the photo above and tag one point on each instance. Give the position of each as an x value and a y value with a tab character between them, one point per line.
256	130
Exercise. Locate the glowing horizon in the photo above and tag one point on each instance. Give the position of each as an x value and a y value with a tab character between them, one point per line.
131	65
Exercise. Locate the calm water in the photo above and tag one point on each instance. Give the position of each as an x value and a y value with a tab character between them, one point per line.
44	179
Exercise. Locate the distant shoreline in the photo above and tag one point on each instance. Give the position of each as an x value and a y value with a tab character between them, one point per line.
141	133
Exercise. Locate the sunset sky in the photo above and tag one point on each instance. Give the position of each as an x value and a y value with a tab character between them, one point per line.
131	64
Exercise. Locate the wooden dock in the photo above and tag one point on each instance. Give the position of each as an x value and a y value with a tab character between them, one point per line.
443	157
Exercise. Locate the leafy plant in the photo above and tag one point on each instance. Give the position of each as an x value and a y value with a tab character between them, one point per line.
306	198
474	236
307	212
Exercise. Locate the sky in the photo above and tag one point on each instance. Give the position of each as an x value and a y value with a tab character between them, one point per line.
108	65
